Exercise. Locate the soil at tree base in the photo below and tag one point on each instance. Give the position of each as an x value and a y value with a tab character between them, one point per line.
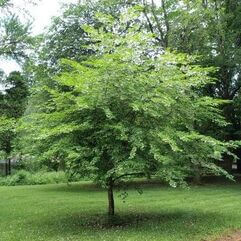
235	236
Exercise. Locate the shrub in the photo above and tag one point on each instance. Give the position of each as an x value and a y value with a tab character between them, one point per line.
26	178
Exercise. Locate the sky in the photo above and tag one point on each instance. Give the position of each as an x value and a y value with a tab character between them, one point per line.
41	14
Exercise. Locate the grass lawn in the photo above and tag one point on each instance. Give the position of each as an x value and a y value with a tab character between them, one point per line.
61	213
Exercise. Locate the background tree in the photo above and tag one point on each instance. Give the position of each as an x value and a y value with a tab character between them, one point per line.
12	106
15	40
15	36
209	29
66	37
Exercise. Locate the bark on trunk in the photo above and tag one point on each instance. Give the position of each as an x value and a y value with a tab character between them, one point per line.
238	153
6	168
111	208
239	166
197	178
9	166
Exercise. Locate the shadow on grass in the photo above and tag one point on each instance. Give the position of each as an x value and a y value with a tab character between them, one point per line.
127	220
166	221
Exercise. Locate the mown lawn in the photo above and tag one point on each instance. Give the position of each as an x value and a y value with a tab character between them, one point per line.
62	213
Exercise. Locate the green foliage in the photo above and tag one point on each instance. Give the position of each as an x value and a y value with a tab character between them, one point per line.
12	106
128	110
14	99
211	30
7	132
14	43
14	38
66	36
26	178
4	3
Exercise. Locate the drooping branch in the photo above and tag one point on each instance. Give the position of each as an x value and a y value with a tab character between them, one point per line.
129	174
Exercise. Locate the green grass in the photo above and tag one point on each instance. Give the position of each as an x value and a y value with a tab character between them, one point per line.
61	213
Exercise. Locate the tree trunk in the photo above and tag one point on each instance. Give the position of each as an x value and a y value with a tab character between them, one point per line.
9	166
239	166
197	178
238	153
111	208
6	168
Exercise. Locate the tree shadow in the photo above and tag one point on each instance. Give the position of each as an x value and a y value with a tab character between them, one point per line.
167	221
135	219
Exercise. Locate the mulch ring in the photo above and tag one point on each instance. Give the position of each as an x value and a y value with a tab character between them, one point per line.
235	236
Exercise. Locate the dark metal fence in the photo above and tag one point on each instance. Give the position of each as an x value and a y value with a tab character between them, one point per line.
5	168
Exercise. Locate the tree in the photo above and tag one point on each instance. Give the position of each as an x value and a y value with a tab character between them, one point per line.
12	106
14	97
129	111
209	29
14	35
15	42
66	37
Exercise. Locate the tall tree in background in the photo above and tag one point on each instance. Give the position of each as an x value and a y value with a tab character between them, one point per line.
209	29
15	40
12	106
66	37
14	35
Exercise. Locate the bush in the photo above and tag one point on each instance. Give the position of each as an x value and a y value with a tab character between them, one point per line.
26	178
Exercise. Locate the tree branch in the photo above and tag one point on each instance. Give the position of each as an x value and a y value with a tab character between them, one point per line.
129	174
162	35
163	4
233	94
149	22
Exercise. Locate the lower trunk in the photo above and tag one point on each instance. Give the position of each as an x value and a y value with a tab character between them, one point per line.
239	166
111	208
9	167
6	168
238	153
197	178
227	163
